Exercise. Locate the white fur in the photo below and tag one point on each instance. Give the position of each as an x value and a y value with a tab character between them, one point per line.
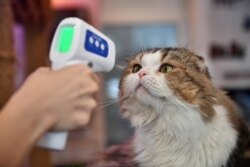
169	131
182	139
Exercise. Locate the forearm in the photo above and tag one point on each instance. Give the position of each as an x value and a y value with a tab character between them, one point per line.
19	130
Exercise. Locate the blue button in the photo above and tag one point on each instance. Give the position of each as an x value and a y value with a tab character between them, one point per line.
95	44
91	40
102	47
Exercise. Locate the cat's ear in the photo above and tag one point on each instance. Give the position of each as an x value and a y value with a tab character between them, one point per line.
203	67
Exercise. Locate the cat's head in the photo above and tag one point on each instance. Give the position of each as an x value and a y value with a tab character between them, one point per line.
162	77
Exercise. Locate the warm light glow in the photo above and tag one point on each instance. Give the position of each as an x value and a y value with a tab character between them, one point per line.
56	4
92	7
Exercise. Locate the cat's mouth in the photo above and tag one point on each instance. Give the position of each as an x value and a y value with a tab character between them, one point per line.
140	87
143	89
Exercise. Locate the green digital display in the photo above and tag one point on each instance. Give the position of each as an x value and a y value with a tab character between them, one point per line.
66	35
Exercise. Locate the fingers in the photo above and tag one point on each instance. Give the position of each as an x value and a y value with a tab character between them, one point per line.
86	104
40	72
73	72
43	70
75	120
83	79
82	118
96	78
87	86
76	69
80	85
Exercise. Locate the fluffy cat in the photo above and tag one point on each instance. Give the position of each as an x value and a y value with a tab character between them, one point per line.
181	119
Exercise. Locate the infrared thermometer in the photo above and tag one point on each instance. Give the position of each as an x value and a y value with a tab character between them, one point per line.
76	42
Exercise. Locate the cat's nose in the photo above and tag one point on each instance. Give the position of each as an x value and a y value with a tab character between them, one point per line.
142	73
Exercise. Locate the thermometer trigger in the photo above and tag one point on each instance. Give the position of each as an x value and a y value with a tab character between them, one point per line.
90	64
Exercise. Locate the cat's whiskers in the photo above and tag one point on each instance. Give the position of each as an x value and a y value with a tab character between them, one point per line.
110	102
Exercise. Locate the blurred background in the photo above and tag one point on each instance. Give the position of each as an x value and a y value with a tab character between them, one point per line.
218	30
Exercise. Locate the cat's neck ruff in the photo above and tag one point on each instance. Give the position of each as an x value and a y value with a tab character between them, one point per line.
178	137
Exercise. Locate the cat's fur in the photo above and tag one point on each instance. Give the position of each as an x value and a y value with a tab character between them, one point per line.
181	118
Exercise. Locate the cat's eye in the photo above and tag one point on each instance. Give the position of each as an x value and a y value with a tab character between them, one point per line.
136	68
166	68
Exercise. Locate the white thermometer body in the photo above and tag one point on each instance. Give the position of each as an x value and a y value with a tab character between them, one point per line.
76	42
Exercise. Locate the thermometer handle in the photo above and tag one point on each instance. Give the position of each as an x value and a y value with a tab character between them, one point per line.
53	140
56	140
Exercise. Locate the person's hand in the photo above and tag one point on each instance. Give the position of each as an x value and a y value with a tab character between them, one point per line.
61	99
64	98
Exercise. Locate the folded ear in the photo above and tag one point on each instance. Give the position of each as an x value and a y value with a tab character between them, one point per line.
202	66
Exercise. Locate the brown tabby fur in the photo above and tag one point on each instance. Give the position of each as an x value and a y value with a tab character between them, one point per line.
196	88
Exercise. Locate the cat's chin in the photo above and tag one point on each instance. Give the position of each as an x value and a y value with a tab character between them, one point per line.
141	89
141	93
145	97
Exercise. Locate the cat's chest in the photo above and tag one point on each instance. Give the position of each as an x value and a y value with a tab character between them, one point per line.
169	153
163	149
160	152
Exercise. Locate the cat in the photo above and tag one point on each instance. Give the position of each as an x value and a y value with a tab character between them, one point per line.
180	118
